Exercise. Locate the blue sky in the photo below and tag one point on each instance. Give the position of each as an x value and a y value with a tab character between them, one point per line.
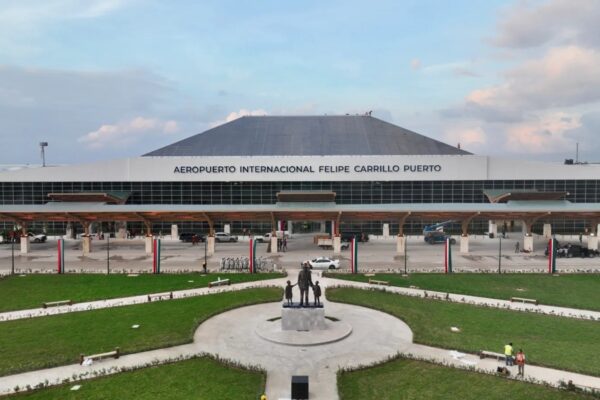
102	79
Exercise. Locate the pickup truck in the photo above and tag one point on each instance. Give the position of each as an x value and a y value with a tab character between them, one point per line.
327	244
267	236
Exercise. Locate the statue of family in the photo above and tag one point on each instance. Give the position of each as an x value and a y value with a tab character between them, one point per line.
304	284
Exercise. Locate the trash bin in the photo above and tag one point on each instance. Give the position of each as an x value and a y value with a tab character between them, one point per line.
491	234
300	387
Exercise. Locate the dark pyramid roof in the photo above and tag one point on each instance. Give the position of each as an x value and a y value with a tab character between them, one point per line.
306	136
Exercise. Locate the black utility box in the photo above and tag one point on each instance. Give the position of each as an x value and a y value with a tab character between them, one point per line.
300	387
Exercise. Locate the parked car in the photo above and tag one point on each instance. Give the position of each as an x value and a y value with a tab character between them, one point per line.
39	238
323	263
438	237
327	244
225	237
575	250
187	237
267	236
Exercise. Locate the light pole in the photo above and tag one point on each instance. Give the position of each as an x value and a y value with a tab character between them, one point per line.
42	146
108	253
12	244
205	253
405	253
499	253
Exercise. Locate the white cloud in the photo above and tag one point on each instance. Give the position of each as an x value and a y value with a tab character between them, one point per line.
126	133
548	134
469	137
564	77
530	24
238	114
22	22
415	64
538	105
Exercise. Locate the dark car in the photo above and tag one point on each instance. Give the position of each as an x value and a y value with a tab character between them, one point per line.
360	236
188	237
575	250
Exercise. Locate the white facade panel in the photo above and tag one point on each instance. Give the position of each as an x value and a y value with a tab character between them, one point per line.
305	168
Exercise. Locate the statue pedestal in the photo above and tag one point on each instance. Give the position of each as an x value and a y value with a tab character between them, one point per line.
303	318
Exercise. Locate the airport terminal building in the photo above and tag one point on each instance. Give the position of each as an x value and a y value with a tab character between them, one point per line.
342	164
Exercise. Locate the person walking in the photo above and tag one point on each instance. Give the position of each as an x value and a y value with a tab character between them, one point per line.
517	247
284	244
508	353
521	362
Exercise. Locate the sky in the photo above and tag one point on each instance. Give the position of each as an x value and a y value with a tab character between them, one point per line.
106	79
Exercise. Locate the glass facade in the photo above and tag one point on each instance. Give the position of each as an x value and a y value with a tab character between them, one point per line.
361	192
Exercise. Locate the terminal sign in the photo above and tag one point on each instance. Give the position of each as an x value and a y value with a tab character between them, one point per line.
306	169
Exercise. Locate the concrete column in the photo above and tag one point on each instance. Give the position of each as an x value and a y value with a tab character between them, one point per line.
174	232
69	233
528	243
401	245
337	244
547	232
122	230
86	243
92	228
148	243
290	227
25	244
210	245
592	243
227	228
274	245
322	227
386	230
464	244
493	228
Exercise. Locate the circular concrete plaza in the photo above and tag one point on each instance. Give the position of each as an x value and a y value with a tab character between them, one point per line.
236	335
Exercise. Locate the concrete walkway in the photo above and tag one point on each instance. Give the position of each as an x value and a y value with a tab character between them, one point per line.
475	300
326	282
232	335
132	300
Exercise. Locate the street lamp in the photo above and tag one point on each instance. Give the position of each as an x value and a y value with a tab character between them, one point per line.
405	253
499	254
12	244
42	146
108	253
205	253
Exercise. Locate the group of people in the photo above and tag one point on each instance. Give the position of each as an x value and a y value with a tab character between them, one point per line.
511	358
304	283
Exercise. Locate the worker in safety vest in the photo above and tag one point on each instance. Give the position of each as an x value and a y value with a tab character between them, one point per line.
508	353
521	362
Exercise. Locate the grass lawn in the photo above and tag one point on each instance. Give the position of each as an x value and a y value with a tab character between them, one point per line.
557	342
409	379
200	378
576	291
30	291
36	343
